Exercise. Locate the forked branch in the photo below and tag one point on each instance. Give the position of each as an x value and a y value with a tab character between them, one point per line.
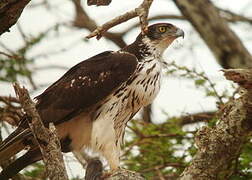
142	12
46	138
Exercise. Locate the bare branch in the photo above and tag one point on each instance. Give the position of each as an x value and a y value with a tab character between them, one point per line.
82	20
197	117
118	20
141	11
224	43
227	15
46	138
233	17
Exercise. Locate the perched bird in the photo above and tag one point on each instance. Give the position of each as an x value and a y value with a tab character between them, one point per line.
91	103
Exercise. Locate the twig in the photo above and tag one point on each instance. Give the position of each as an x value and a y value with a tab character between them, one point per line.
233	17
14	56
162	166
161	177
196	117
82	20
195	73
227	15
141	11
46	138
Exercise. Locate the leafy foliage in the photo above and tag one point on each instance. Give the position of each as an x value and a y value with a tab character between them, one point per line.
37	170
158	148
16	64
12	68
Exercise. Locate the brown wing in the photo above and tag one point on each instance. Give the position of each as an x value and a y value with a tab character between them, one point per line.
84	85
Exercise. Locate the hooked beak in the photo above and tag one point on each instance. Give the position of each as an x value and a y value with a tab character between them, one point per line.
180	33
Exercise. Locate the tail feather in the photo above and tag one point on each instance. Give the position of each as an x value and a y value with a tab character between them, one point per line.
14	143
30	157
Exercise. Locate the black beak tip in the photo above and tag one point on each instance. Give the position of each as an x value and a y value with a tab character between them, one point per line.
180	33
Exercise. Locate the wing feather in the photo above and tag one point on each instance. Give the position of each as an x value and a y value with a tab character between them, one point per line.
84	85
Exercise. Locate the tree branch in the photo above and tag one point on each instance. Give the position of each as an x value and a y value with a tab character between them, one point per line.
225	45
241	76
196	117
227	15
233	17
46	138
10	11
99	2
220	145
82	20
141	11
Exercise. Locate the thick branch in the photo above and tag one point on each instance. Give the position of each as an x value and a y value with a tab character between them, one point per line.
240	76
225	45
10	11
220	145
141	11
46	138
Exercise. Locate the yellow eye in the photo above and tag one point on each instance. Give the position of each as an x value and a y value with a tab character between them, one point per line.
162	29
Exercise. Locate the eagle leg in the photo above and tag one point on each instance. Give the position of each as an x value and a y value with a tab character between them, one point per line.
112	154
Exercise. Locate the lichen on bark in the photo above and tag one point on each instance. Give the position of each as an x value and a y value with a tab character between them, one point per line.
218	146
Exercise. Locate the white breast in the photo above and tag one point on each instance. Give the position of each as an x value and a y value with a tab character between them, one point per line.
140	90
147	84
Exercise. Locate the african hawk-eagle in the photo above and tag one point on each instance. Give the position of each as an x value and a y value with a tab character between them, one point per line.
91	103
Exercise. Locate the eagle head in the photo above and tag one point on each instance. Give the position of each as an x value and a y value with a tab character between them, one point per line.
159	36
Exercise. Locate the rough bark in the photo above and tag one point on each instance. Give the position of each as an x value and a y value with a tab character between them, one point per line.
99	2
223	42
46	138
220	145
10	11
125	175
